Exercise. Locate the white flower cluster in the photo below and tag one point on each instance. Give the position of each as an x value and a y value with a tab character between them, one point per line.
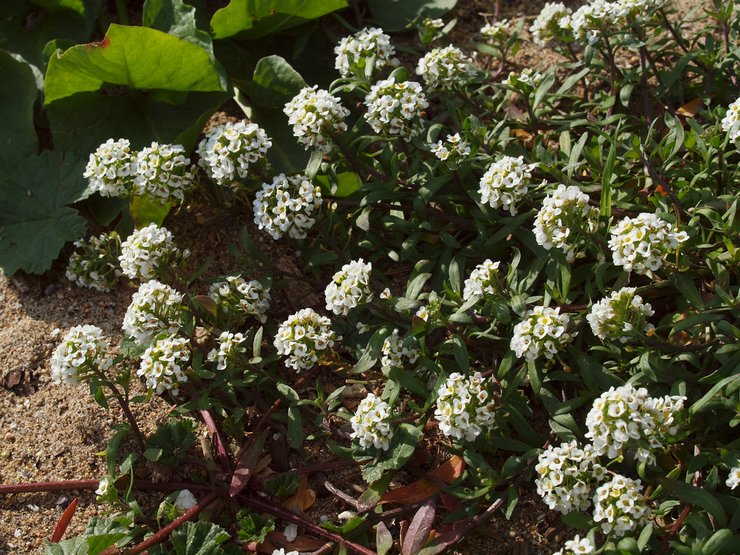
621	316
396	349
591	18
241	298
445	68
454	148
229	348
95	262
620	505
498	31
162	172
526	81
464	407
110	168
566	476
302	336
82	350
371	423
354	52
542	332
552	24
315	115
228	151
566	222
164	364
395	108
733	478
640	244
147	250
282	551
433	24
625	420
349	287
287	205
505	183
484	280
576	546
731	122
155	308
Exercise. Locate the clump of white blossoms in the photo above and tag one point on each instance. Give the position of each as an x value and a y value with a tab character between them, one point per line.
566	222
94	263
164	364
395	350
621	316
349	287
484	280
315	116
371	423
731	122
155	308
162	172
733	478
506	183
110	168
454	148
566	475
147	250
229	349
552	24
241	298
355	51
446	68
576	546
464	406
302	337
525	81
640	244
82	351
287	205
620	505
498	31
395	108
544	331
589	19
230	149
625	420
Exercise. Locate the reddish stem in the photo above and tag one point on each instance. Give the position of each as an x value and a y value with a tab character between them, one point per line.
223	455
69	485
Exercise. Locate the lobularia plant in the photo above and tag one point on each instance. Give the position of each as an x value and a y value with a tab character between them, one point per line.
287	205
465	407
620	506
367	50
349	287
162	172
94	264
506	183
303	337
621	317
641	244
155	308
110	170
371	423
395	108
316	115
148	251
543	332
82	352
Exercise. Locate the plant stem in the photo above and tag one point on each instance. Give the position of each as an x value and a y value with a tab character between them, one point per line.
124	407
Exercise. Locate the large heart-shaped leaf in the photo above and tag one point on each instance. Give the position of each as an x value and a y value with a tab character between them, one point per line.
394	15
176	18
136	57
252	19
17	95
35	221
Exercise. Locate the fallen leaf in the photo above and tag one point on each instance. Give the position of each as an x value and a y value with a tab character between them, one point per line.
525	136
690	109
413	493
450	470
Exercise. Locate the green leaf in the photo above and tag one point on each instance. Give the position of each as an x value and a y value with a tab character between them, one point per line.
400	452
87	9
136	57
295	427
17	96
199	538
251	19
170	442
346	183
687	288
35	221
102	533
72	546
394	15
288	392
722	541
696	496
146	210
176	18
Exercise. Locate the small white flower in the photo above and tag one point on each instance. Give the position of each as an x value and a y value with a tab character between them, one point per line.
465	407
110	169
371	423
302	337
542	332
576	546
452	150
552	24
362	328
731	122
147	250
733	478
83	350
640	244
349	287
620	506
185	500
230	149
282	551
240	298
498	31
287	205
526	81
162	172
621	316
94	264
484	280
229	349
506	183
385	294
155	308
353	52
395	108
566	222
315	116
446	68
395	350
103	486
164	364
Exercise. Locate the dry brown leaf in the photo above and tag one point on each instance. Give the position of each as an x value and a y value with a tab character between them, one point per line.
450	470
525	136
413	493
690	109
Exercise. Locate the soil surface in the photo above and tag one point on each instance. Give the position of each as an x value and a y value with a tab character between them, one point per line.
50	432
